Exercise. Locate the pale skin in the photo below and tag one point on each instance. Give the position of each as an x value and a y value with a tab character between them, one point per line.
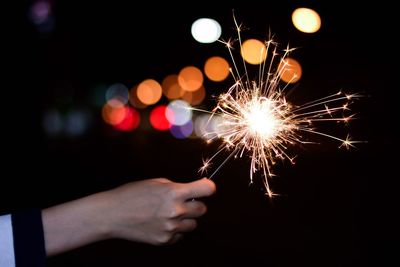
155	211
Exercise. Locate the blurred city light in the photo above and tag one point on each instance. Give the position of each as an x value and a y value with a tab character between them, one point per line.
206	30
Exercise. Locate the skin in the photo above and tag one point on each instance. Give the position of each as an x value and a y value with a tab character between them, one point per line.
155	211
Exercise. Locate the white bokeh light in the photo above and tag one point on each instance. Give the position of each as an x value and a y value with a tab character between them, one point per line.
207	127
206	30
178	112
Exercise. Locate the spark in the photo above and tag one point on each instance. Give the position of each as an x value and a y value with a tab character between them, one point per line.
257	120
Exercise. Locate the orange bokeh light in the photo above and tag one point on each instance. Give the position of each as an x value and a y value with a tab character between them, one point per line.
190	78
113	115
149	92
171	88
134	100
216	69
253	51
290	70
196	97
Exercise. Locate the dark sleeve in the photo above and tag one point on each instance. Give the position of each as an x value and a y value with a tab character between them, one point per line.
28	235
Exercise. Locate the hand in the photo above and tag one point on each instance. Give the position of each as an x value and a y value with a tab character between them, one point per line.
156	211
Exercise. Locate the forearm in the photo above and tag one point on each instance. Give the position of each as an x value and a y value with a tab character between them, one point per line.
75	224
154	211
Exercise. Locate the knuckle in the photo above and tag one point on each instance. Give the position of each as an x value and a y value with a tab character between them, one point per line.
171	226
175	212
164	239
176	191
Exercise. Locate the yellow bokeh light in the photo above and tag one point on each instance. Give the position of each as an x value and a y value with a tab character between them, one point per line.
306	20
216	69
290	70
190	78
171	88
253	51
149	92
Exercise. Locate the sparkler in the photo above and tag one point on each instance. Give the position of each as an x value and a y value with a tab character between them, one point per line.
257	120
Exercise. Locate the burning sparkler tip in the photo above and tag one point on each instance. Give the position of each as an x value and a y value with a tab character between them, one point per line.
257	119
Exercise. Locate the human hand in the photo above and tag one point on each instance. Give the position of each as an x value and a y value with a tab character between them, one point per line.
155	211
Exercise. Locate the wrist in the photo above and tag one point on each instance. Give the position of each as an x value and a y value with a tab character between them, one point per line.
76	223
99	221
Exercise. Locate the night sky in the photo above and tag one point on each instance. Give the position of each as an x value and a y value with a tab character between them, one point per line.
336	207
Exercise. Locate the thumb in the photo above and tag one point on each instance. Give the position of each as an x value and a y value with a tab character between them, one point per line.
201	188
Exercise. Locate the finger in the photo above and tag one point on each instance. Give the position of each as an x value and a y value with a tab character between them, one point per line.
187	225
200	188
177	237
193	209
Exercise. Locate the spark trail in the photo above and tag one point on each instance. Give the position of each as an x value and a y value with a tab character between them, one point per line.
256	119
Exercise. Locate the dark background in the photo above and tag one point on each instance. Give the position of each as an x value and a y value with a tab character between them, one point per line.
337	207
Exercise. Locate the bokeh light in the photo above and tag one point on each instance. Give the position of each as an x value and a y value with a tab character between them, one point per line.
253	51
149	92
306	20
113	115
190	78
40	11
158	120
52	122
195	98
77	122
206	30
205	126
291	71
117	95
178	112
130	122
216	69
171	87
74	123
182	131
40	14
134	100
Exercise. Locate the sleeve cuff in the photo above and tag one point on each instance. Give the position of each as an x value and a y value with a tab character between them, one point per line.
29	247
6	242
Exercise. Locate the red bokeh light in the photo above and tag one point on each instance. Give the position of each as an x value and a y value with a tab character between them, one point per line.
158	119
131	120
